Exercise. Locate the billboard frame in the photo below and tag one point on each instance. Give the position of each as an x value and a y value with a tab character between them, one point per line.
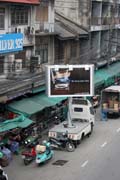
71	68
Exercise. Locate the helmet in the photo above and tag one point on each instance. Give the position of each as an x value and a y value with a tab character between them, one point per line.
1	154
44	142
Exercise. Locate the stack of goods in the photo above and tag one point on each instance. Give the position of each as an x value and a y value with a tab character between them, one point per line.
40	148
105	105
111	104
116	106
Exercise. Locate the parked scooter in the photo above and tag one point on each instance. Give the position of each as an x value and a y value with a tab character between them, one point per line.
62	143
44	153
28	156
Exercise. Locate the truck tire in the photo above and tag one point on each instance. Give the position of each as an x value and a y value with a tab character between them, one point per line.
70	147
82	137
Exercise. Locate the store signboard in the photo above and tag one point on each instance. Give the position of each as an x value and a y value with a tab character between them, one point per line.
70	80
11	42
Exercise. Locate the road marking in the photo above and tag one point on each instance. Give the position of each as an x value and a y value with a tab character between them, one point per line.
84	164
104	144
118	130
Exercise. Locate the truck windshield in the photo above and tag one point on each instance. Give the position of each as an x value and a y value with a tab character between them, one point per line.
79	120
79	101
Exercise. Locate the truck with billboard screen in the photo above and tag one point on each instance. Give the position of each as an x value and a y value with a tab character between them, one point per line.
79	122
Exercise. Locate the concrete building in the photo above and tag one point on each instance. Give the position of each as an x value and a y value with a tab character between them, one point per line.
69	41
102	20
23	71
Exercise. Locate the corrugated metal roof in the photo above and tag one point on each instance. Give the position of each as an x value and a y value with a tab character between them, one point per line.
62	32
22	1
68	29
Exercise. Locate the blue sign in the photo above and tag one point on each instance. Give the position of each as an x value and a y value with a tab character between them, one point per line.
11	42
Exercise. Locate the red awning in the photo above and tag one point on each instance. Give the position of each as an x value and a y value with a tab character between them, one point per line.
22	1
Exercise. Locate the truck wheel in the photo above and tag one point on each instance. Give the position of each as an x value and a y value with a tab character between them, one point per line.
82	137
70	147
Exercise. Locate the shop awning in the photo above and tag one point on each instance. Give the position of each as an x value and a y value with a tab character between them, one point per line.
106	75
19	122
32	105
38	89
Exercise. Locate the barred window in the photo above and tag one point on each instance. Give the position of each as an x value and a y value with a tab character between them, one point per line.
73	49
2	18
1	64
19	15
42	50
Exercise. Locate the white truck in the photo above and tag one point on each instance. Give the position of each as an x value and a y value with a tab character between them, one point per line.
79	123
110	100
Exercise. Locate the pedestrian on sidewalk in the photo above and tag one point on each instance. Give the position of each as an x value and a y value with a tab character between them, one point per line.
104	115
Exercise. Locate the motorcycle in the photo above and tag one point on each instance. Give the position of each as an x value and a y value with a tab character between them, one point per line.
28	156
44	153
62	143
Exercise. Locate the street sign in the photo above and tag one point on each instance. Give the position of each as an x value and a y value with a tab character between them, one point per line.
11	42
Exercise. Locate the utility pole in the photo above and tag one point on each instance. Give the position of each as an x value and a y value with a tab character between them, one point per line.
111	31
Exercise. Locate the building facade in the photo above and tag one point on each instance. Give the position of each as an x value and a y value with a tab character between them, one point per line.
35	20
102	19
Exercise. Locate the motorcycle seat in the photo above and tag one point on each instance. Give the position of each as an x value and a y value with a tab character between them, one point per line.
27	153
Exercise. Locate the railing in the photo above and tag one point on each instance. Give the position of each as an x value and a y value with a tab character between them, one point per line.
44	27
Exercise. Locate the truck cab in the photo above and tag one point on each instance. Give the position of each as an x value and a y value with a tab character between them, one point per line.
81	108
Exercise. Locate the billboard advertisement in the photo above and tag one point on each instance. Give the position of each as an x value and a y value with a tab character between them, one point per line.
11	42
70	80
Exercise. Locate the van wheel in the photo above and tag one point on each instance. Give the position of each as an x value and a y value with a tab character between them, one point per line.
91	128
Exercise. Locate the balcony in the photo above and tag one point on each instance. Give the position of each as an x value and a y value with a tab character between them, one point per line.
44	28
106	21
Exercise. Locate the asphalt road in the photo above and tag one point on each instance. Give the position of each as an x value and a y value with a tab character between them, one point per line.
96	158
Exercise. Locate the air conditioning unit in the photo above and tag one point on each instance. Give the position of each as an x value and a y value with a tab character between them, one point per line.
14	29
32	30
19	30
36	60
18	65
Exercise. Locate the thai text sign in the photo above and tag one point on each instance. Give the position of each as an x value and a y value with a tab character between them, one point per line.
11	42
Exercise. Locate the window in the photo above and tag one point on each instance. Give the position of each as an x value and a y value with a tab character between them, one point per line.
2	18
42	50
42	13
73	50
19	15
78	109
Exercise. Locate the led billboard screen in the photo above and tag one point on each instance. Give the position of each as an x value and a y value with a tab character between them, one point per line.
70	80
